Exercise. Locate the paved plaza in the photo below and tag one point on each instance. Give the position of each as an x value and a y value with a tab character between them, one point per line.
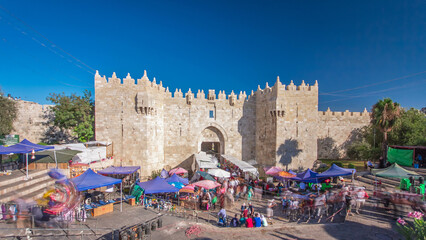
372	223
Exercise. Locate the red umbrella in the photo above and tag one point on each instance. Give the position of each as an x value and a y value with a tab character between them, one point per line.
207	184
177	171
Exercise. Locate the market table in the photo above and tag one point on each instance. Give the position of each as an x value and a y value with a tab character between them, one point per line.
103	209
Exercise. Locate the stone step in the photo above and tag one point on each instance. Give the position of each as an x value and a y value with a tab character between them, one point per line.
26	190
391	181
421	171
371	182
18	184
20	175
35	195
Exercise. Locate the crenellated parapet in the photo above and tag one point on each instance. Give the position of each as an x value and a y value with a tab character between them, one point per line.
289	89
156	89
346	116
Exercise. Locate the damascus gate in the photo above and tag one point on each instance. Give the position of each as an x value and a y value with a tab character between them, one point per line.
280	125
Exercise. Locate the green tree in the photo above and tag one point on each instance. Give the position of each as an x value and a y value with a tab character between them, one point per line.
8	113
384	116
74	113
410	129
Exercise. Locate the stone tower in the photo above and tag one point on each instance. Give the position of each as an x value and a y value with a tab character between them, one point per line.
279	125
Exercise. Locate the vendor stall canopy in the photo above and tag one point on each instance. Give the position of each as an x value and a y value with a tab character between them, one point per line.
244	166
24	146
157	185
119	170
307	176
178	170
336	171
206	175
206	161
217	172
90	180
164	173
402	157
273	171
395	171
176	178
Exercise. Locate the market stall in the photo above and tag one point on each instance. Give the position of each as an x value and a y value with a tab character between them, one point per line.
395	171
91	180
164	173
178	171
25	147
273	171
157	185
217	172
176	178
200	174
128	174
336	171
234	165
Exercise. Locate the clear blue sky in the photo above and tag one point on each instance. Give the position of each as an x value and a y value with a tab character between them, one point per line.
376	47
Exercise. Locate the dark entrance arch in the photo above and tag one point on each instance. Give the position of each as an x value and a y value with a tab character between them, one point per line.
212	141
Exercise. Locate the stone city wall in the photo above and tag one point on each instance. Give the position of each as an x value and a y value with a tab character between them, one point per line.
31	121
279	125
337	130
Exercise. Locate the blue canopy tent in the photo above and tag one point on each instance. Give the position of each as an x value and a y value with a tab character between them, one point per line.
119	170
26	147
308	176
90	180
178	185
336	171
164	174
176	178
157	185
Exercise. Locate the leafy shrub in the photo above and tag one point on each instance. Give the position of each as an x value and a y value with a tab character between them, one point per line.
155	173
350	165
338	164
321	169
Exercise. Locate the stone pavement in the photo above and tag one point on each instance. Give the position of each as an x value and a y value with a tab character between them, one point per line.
372	223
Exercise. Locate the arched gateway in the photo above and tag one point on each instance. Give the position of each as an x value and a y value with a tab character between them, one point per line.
211	141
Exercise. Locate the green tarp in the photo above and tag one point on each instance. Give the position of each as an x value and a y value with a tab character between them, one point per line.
403	157
395	171
137	193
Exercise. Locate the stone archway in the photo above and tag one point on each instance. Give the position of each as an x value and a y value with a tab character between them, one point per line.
211	141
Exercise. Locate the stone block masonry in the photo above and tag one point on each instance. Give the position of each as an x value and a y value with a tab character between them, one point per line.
31	121
279	125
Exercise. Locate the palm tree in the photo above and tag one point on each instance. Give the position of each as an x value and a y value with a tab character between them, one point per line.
383	116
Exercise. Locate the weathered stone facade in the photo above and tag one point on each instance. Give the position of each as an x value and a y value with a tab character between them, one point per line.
31	121
337	130
278	125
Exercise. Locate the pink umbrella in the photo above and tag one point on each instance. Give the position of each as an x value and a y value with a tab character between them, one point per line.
189	187
177	171
207	184
273	171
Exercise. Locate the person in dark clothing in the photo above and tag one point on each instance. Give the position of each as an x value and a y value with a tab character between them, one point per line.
235	222
250	210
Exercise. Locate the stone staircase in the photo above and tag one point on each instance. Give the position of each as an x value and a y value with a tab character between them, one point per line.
421	171
15	186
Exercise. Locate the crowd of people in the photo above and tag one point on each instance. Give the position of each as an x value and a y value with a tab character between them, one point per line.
296	204
248	218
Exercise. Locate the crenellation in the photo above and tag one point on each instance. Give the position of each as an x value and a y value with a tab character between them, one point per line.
291	86
211	95
128	80
169	128
222	95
